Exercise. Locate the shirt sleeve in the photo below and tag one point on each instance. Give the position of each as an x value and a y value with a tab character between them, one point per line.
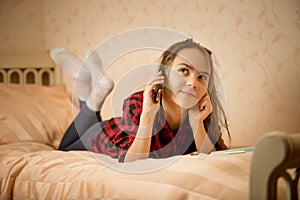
132	109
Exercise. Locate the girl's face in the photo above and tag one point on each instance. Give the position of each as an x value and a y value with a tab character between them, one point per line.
188	78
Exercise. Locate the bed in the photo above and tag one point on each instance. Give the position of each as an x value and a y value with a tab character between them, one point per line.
35	111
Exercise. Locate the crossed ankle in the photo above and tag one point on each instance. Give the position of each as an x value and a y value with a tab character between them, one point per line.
99	93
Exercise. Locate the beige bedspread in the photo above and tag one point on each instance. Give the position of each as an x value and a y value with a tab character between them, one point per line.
37	171
32	121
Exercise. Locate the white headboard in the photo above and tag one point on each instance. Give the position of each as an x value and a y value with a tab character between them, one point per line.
29	68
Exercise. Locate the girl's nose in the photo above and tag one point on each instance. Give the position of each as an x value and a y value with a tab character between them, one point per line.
192	82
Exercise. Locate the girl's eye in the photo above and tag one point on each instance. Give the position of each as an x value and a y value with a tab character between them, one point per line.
202	77
184	71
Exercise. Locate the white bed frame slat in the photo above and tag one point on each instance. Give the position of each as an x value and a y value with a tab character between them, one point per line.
29	68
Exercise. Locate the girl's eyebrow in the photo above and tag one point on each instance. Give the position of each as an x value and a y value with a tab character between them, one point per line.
191	67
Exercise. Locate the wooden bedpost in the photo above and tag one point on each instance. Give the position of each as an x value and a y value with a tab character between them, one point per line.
274	154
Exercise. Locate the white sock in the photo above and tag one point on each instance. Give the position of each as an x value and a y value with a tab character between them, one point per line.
83	85
70	63
94	64
67	60
101	84
99	93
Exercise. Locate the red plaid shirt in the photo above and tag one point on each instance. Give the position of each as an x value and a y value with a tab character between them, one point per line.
117	134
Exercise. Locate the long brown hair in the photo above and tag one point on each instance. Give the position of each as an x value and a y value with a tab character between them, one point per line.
217	119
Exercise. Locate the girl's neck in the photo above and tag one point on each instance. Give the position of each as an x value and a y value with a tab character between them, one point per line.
174	113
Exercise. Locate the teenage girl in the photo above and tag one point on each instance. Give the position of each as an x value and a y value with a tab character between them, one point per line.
179	111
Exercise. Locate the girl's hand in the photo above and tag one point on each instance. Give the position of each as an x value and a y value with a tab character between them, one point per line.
200	112
196	116
149	107
140	147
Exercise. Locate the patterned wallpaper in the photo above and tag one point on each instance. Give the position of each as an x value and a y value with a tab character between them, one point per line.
256	42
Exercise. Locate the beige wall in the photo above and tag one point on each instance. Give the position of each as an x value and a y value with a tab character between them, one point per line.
257	43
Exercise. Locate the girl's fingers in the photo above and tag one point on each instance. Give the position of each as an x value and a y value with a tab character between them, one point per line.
156	80
205	106
149	106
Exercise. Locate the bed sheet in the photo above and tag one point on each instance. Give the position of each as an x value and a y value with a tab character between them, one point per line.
37	171
13	159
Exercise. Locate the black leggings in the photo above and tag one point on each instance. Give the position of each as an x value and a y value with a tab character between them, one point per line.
79	134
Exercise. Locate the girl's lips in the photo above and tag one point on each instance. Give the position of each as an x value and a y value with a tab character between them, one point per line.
187	93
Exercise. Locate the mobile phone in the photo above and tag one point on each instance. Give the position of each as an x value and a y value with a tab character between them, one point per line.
156	96
157	93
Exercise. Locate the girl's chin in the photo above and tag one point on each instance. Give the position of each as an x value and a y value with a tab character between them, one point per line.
184	104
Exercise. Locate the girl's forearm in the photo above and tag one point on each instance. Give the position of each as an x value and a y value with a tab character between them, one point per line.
138	150
202	141
199	135
140	147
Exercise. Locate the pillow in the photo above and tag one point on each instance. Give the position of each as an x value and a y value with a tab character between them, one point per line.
34	113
